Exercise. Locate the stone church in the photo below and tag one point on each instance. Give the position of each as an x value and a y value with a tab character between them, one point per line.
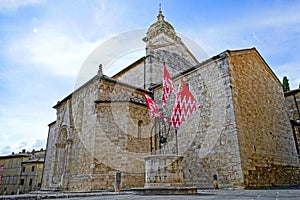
242	132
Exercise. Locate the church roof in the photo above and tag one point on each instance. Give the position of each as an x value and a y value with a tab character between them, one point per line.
133	65
108	79
223	55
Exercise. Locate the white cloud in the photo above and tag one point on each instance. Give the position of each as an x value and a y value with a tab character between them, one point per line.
28	143
108	18
61	45
47	48
123	61
274	32
262	18
53	46
277	17
255	25
4	150
22	122
15	4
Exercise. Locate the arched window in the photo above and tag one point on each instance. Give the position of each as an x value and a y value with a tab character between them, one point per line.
140	129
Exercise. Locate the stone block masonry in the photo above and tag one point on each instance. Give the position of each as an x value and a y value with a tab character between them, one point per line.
242	131
266	142
101	128
208	139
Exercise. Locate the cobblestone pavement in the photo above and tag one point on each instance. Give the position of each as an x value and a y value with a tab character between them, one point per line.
225	194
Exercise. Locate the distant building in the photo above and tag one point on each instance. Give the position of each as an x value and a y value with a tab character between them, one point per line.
242	133
13	166
11	171
293	104
31	173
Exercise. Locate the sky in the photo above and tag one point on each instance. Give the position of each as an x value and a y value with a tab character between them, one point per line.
44	44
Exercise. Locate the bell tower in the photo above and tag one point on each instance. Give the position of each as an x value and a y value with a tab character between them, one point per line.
163	45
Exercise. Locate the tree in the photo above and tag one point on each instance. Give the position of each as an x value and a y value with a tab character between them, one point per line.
285	84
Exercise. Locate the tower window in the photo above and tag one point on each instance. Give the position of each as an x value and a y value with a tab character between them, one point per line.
140	129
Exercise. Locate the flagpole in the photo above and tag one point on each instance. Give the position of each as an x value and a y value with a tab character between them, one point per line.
176	141
151	148
159	136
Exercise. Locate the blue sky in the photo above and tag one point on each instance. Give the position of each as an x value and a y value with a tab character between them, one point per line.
43	44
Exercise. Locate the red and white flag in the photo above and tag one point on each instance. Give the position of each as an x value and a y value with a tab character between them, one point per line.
152	107
167	87
185	105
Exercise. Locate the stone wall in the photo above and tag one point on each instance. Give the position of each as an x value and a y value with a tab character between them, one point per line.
175	63
134	76
69	156
265	136
272	175
47	171
208	140
118	144
150	72
101	128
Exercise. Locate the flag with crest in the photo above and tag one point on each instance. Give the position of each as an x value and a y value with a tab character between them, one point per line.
185	105
152	107
167	87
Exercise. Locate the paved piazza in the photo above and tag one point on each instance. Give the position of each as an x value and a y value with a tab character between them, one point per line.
224	194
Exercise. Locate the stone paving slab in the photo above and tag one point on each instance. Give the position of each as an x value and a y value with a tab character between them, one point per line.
209	194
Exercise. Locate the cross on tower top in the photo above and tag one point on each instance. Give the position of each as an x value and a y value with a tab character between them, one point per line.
160	16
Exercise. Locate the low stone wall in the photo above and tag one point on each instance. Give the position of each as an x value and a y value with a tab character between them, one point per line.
274	175
104	181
